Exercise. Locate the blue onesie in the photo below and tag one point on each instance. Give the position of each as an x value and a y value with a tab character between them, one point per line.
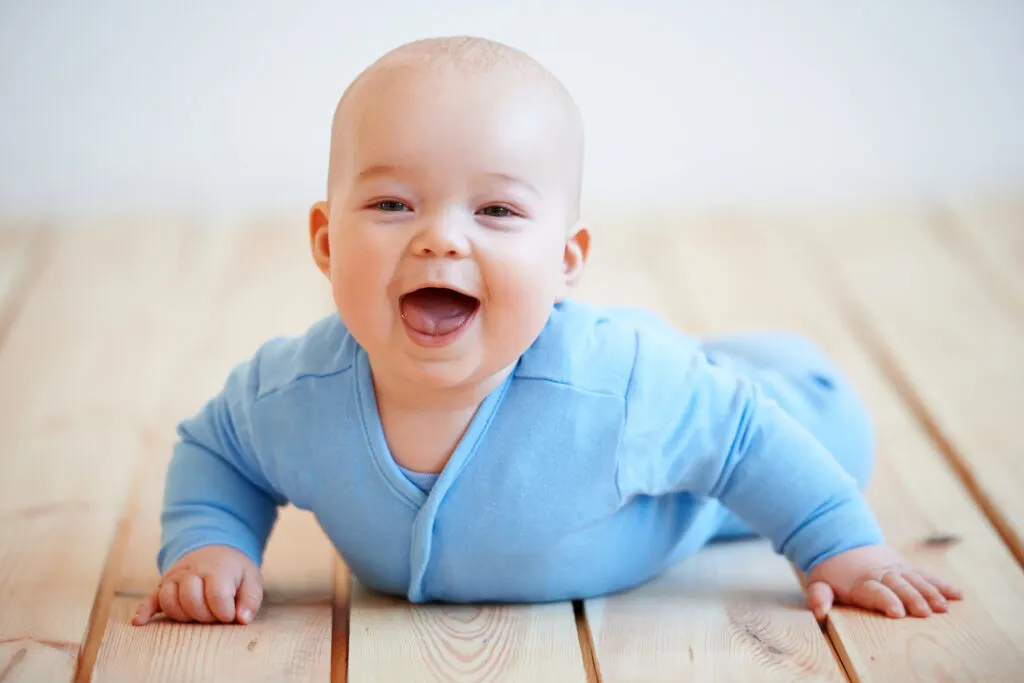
617	446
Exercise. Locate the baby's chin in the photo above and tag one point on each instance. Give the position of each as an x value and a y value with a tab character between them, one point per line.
450	374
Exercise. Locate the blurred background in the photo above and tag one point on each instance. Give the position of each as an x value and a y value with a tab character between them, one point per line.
224	107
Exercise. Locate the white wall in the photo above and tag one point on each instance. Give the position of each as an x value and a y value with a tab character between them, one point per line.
217	105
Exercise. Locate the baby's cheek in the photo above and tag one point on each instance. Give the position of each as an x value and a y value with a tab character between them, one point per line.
358	298
519	310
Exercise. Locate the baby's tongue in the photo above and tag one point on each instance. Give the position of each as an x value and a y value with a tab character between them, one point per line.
436	311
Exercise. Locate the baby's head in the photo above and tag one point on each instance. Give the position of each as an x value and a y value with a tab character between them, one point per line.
451	225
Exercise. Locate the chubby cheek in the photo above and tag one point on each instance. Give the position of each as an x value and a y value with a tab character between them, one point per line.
359	285
521	297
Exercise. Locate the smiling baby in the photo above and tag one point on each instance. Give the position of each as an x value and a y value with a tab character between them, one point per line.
464	431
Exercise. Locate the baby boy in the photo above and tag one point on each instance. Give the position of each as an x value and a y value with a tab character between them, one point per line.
465	432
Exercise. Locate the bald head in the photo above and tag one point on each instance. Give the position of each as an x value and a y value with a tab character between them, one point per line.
463	52
447	67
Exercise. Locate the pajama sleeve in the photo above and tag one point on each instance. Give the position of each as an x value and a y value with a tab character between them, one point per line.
693	427
216	491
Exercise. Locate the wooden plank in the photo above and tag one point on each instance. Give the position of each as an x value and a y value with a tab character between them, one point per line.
288	642
991	234
955	349
263	285
392	640
749	276
81	366
732	612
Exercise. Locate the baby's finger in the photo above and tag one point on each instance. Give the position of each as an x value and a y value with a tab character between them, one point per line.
169	601
820	598
250	596
192	597
950	592
875	595
220	597
910	596
930	592
147	609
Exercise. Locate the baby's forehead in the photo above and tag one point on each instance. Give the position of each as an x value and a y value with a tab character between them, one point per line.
444	75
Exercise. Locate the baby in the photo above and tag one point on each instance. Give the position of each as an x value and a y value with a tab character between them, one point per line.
465	432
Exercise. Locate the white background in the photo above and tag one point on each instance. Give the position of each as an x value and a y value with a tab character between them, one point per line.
225	106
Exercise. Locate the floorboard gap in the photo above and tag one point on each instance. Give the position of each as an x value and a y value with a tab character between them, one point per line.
107	588
586	642
835	643
341	622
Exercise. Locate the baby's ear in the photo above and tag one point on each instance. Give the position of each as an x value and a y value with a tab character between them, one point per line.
577	248
319	219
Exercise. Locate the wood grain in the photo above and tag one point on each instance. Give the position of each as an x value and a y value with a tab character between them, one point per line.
79	370
261	284
392	640
954	347
752	275
287	643
731	613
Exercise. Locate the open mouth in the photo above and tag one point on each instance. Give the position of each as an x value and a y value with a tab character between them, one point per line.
435	315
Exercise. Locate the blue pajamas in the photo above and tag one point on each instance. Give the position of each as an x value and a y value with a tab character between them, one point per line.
803	381
810	387
617	447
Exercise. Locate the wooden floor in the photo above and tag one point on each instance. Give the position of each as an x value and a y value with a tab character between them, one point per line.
111	331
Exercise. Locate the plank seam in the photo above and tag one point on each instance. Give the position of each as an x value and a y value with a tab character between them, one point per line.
586	638
839	651
106	590
855	318
831	637
341	622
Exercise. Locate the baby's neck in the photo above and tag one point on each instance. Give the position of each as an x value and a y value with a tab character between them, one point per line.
423	426
400	393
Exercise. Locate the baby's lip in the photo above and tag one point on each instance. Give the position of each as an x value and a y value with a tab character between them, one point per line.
439	285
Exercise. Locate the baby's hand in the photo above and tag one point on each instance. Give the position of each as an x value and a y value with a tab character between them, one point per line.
876	578
214	583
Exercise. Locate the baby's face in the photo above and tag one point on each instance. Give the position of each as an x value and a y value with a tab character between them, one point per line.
452	222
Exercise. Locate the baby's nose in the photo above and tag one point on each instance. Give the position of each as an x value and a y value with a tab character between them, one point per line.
441	239
451	252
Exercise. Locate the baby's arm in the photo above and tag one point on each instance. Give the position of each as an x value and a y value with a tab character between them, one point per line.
219	509
720	437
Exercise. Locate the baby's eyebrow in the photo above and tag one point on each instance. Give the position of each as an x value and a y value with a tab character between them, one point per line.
512	179
379	170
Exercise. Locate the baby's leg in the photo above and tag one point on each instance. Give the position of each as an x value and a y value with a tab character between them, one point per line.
810	387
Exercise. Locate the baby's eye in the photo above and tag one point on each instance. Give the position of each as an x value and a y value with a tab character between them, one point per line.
391	205
497	211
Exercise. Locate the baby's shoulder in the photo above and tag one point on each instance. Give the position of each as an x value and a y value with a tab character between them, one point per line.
325	349
599	348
